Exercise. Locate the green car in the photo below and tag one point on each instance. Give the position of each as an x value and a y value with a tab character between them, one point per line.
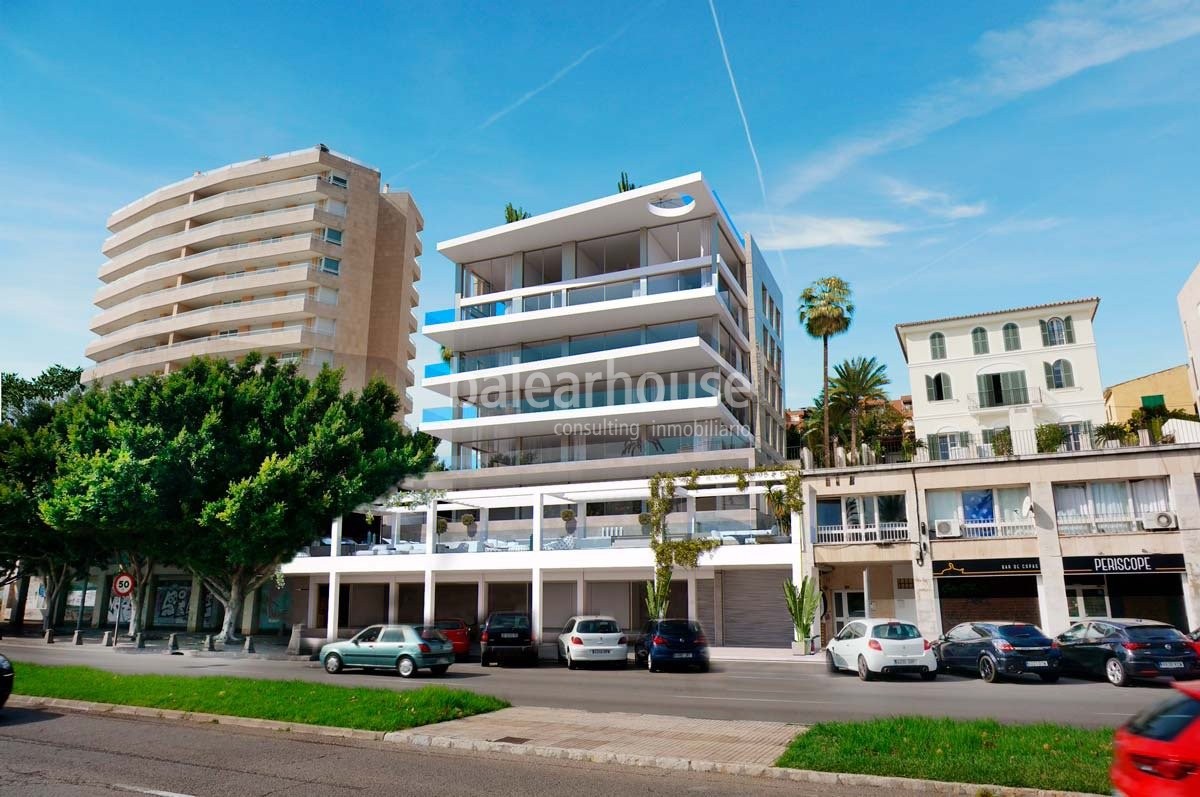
404	648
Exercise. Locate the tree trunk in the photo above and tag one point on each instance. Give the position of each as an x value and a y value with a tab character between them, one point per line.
854	432
141	571
825	400
53	580
17	618
230	625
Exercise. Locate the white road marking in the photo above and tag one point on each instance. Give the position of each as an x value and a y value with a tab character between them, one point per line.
761	700
154	792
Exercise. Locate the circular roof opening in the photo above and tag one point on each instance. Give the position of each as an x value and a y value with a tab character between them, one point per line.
671	205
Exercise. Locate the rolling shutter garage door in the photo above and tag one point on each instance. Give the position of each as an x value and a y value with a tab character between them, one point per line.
753	611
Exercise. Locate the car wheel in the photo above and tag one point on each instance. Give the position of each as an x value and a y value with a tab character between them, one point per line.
704	667
571	665
439	669
829	665
987	670
406	667
333	664
561	658
1114	671
929	675
1048	677
864	672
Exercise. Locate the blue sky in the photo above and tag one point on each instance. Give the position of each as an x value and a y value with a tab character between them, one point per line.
944	158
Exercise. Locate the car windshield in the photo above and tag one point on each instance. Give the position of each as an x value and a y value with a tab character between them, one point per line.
1153	633
448	625
679	627
429	632
895	631
1021	631
1165	721
597	627
509	622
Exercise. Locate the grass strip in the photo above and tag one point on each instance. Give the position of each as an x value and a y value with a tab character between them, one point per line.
982	751
285	701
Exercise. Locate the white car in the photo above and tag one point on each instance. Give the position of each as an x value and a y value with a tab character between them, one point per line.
592	638
871	647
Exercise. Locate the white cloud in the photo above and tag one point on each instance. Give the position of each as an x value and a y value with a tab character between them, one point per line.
813	232
936	203
1069	38
1017	225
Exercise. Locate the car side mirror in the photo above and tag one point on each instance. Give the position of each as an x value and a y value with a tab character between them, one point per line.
355	641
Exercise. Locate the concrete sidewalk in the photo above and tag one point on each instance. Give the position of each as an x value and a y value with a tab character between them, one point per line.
645	735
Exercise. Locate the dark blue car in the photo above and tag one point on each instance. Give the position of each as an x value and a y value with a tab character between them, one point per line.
999	648
672	643
1123	649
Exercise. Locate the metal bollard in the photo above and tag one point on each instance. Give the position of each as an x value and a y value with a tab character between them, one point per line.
248	645
207	644
107	641
77	637
172	643
50	636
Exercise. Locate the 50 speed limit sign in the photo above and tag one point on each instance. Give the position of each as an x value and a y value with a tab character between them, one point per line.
122	585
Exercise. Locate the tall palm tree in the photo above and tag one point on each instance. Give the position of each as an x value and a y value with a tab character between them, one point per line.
858	383
826	309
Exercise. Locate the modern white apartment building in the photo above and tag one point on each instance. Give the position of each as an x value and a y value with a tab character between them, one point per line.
974	376
297	255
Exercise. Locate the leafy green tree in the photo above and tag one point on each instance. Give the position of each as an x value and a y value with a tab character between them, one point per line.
826	309
18	396
512	213
858	384
250	462
624	184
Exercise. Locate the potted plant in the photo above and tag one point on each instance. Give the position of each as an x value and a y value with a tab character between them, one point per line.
802	606
442	525
1002	443
1109	435
644	521
568	519
1050	437
468	521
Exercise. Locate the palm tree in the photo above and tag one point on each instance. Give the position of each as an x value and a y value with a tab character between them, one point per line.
826	310
624	184
512	213
858	383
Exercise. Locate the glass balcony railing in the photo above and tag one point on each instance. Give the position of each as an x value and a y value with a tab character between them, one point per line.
436	414
438	369
539	451
445	316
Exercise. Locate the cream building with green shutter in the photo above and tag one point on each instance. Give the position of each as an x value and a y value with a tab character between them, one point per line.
984	383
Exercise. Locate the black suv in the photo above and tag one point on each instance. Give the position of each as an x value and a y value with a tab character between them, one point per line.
998	648
507	635
1123	649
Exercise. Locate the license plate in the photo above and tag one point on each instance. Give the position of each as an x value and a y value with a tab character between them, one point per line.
1037	664
508	636
443	660
1171	665
601	650
683	655
904	661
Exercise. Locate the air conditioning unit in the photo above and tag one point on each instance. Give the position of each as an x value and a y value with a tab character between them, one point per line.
1160	521
948	528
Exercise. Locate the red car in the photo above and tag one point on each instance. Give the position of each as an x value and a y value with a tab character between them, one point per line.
1157	753
458	633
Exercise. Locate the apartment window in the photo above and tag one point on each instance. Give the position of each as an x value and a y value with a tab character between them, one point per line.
290	356
937	346
327	295
227	333
1002	389
1057	331
339	180
608	255
333	236
331	265
979	340
335	207
1108	507
937	387
542	267
1012	337
1059	375
986	512
325	326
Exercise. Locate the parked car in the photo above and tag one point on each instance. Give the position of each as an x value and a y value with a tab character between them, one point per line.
404	648
592	638
507	635
997	649
1157	753
6	680
459	634
873	646
672	643
1124	649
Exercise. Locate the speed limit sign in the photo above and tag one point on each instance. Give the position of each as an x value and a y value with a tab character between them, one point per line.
122	585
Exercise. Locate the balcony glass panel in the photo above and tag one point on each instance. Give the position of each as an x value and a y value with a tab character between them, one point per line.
437	369
604	293
439	316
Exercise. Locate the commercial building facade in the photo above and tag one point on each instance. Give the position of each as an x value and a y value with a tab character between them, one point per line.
297	255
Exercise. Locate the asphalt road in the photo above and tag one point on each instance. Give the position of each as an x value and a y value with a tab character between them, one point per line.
779	692
45	754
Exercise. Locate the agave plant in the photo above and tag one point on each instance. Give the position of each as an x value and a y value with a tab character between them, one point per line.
802	604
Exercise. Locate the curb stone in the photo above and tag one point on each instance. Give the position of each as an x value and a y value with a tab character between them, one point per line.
418	739
911	785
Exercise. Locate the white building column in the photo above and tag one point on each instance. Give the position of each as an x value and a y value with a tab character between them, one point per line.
535	604
580	594
430	587
867	592
539	503
1052	584
481	602
335	532
929	615
331	617
692	611
314	589
393	608
430	527
1187	506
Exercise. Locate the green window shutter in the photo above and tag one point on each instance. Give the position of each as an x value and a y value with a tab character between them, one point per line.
1151	402
1068	374
964	439
1069	328
1049	375
931	445
982	384
929	391
1012	337
1045	333
946	392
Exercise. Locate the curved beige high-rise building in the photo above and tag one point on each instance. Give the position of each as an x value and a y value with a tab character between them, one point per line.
296	255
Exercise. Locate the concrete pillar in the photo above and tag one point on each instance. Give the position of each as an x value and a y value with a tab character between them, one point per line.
692	612
535	601
539	503
393	601
1187	506
1189	603
331	616
580	594
1052	585
335	532
194	604
431	527
690	509
430	590
481	602
718	610
310	613
929	615
867	591
103	596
